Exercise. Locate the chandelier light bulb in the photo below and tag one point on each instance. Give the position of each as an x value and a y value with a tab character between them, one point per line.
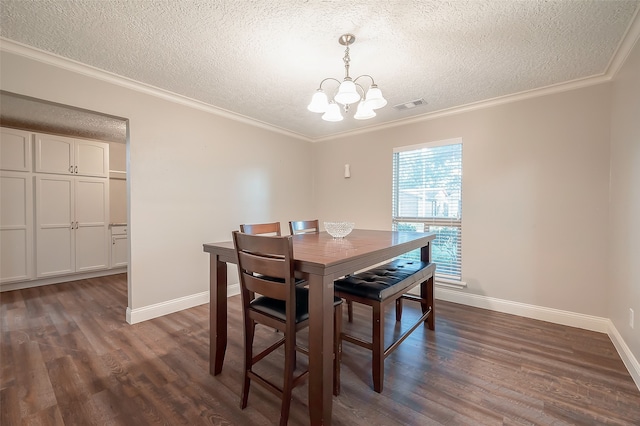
364	112
332	113
347	94
319	102
374	98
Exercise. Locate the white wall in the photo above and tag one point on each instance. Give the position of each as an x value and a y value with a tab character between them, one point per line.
535	194
194	176
624	248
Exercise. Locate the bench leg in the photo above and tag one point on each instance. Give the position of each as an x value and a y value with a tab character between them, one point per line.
350	310
399	309
377	363
337	348
426	294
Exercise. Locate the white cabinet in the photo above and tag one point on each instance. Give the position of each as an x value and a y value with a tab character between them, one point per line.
54	206
15	150
68	156
119	246
71	224
16	206
16	226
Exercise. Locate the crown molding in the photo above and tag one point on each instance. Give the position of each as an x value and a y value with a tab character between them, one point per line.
48	58
487	103
631	37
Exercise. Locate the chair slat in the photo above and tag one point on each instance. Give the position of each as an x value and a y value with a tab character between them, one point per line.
272	228
266	287
304	226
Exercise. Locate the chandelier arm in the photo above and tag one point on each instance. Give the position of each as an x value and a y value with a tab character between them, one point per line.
328	78
364	75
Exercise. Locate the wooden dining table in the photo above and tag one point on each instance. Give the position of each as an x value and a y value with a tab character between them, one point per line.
320	259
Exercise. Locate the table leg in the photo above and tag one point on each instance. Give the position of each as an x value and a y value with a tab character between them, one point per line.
426	289
320	349
426	292
217	314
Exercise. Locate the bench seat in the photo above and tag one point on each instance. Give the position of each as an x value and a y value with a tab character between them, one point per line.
385	281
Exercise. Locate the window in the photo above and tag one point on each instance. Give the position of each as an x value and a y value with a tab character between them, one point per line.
427	197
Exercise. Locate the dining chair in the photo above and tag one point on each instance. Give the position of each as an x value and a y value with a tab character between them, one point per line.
266	267
304	227
271	228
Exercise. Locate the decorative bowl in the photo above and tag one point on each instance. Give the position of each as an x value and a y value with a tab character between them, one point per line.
339	229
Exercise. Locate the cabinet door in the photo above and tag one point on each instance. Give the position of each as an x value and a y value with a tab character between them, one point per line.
92	217
92	158
119	250
55	245
15	150
16	226
54	154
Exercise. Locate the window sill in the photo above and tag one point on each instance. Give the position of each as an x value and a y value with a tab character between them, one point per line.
444	282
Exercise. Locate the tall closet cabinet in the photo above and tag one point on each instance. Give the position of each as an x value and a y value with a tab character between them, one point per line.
16	206
55	205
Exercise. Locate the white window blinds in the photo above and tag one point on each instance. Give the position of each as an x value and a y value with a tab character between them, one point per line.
427	197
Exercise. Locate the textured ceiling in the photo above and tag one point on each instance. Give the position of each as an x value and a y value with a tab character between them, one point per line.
263	59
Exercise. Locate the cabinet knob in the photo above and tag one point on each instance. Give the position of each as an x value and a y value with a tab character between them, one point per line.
76	169
70	169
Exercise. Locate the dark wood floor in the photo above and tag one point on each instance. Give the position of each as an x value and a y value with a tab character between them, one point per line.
69	358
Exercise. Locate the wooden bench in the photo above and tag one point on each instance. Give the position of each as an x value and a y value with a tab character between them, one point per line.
380	286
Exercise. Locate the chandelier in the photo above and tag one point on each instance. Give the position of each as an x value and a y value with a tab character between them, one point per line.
349	93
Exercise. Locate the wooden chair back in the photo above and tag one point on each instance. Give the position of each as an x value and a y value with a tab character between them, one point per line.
272	228
265	266
304	227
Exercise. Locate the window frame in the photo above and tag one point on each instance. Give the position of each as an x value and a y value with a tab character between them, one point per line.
426	221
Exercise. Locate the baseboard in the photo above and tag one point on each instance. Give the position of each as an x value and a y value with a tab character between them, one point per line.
170	306
572	319
233	290
60	279
628	359
164	308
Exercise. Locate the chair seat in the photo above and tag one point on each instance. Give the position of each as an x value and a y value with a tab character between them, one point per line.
380	282
277	308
